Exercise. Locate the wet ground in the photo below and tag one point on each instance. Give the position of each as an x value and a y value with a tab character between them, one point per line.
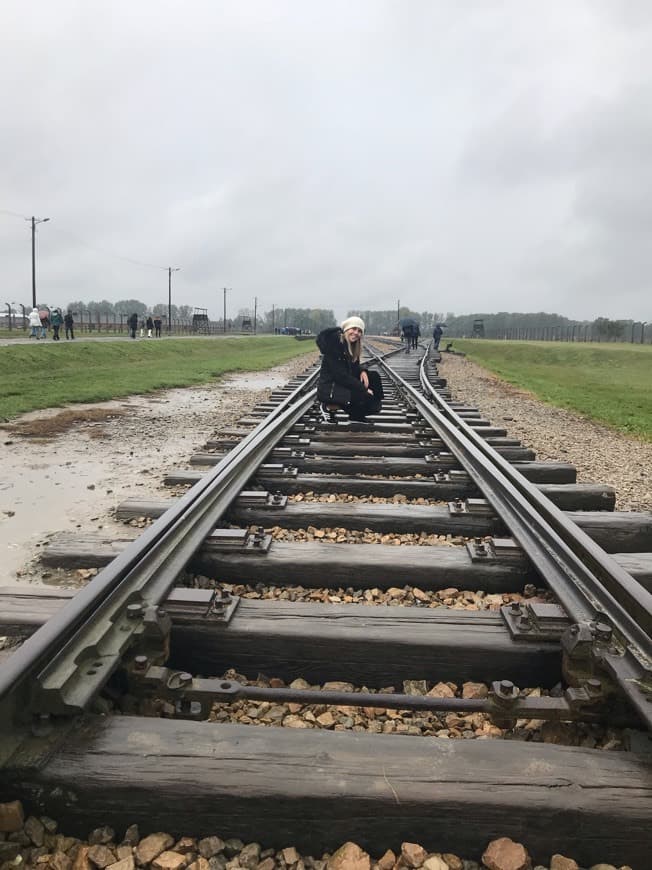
77	478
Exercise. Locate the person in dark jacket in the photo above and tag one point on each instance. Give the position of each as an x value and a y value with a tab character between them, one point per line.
436	335
149	323
343	381
69	323
57	322
132	323
406	335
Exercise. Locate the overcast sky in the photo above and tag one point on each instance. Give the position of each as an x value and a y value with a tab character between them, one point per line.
464	156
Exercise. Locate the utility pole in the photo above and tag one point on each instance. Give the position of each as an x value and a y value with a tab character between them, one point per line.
225	289
170	271
34	221
255	312
273	321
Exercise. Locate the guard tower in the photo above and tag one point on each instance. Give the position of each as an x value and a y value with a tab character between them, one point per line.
478	328
200	320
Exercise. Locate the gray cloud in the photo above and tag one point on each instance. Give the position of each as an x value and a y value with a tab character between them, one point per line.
456	156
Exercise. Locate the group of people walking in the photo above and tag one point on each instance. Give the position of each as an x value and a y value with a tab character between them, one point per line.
411	333
41	320
149	323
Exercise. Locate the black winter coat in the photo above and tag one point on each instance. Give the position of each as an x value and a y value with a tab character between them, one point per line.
337	367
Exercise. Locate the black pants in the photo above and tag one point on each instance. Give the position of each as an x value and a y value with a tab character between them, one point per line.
69	332
55	330
363	404
157	330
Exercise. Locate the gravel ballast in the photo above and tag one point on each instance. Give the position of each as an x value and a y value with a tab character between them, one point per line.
600	454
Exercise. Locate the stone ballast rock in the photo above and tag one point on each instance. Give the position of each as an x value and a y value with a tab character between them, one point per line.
160	851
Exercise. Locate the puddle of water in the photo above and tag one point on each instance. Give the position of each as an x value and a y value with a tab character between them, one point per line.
76	481
37	496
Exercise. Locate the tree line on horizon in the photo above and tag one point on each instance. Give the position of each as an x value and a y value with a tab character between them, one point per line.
377	322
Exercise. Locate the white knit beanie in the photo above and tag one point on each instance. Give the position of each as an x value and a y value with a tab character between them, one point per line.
351	322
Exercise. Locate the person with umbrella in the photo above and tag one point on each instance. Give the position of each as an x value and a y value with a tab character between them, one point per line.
410	332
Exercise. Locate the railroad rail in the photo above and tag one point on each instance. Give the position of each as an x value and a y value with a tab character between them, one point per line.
74	747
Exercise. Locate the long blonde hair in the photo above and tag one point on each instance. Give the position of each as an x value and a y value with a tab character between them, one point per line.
354	350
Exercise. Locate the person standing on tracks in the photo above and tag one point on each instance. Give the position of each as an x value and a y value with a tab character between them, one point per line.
132	323
343	381
416	335
408	330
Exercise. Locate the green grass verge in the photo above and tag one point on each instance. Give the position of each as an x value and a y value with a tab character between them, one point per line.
48	374
610	383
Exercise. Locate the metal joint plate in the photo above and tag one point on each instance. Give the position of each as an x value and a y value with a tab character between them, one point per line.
288	453
261	499
478	507
494	550
221	607
240	540
535	620
277	469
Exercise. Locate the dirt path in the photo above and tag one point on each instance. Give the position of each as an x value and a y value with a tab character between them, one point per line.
75	479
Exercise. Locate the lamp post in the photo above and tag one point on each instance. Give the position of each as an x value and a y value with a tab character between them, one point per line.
170	271
643	325
35	221
9	304
24	315
224	317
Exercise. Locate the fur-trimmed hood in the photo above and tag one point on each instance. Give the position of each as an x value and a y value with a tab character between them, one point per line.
329	340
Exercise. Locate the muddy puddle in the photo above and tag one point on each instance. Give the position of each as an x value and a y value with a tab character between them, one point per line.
77	478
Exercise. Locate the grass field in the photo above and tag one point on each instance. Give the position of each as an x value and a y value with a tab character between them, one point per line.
48	374
610	383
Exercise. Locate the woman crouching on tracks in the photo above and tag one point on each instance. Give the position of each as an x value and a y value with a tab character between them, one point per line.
343	382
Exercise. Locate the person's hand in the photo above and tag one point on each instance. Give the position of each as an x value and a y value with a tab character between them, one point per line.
364	377
371	392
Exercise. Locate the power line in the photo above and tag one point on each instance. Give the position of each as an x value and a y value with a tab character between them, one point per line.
86	244
12	213
115	256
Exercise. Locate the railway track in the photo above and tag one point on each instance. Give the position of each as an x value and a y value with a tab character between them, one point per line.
258	589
